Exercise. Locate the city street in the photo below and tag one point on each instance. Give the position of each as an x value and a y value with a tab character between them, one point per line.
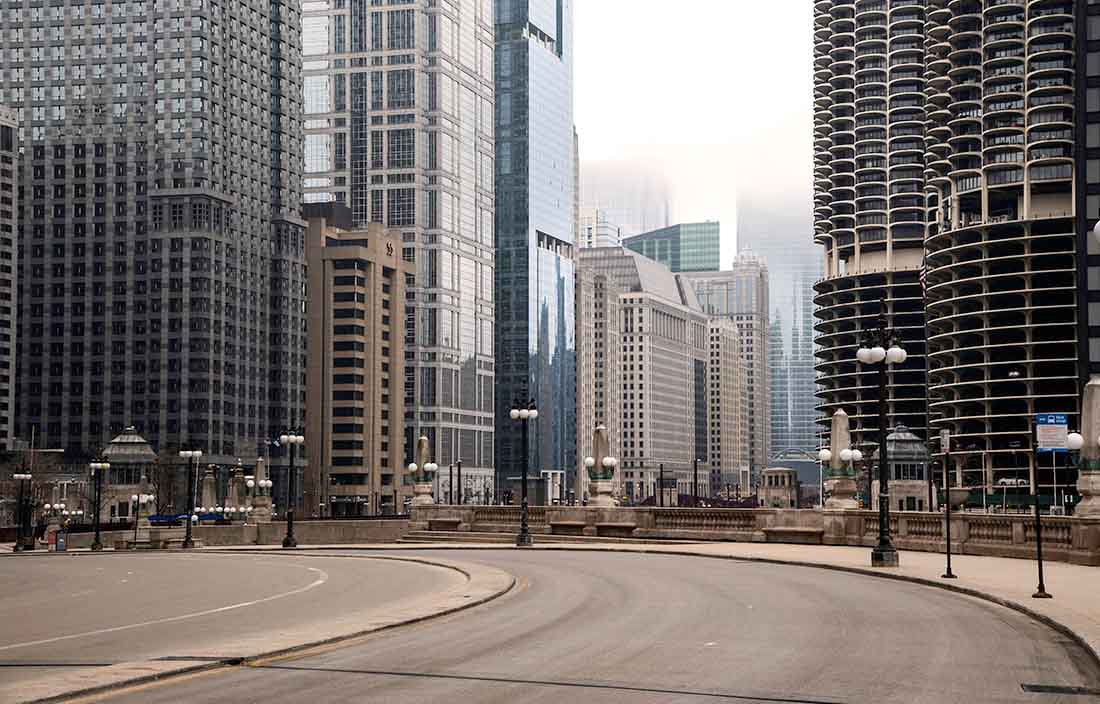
85	610
604	627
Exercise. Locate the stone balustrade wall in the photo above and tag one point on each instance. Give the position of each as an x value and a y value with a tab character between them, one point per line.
1067	539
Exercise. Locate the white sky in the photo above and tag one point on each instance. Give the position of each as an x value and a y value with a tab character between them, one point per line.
718	91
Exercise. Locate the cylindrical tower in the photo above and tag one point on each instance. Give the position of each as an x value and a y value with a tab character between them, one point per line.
869	203
1001	247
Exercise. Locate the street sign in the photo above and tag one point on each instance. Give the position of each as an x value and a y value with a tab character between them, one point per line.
1051	430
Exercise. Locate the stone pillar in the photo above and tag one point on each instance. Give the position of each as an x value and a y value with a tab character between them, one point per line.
841	483
209	489
1088	467
422	479
261	497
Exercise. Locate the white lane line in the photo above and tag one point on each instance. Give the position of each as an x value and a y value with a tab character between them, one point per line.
321	579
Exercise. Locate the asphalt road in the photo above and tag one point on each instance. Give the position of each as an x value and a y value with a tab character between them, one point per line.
603	627
86	610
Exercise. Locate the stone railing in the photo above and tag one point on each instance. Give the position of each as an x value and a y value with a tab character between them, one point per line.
1064	538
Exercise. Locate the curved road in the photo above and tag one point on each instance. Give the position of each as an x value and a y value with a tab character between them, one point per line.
61	612
605	627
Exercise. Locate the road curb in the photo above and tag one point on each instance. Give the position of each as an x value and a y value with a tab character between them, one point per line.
490	591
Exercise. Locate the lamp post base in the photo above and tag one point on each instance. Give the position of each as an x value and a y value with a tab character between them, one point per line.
884	557
523	540
948	575
1042	594
97	546
187	544
289	542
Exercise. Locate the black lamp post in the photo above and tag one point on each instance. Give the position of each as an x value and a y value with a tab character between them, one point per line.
695	483
523	413
661	484
98	470
945	445
451	484
461	488
880	347
191	456
23	513
293	440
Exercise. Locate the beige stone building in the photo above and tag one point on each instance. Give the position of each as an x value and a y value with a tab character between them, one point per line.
663	362
727	408
741	295
356	366
599	368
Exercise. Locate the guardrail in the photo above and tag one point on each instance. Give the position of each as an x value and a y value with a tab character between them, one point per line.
1069	539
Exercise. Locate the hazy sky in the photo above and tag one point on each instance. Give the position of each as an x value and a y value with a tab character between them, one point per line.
718	92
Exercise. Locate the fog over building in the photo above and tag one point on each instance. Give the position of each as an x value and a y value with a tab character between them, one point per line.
637	196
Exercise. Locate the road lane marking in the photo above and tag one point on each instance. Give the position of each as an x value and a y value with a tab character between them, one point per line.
321	579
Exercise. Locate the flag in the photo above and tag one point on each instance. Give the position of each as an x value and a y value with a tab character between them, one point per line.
924	275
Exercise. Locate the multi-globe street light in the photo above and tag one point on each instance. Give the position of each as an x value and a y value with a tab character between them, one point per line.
523	413
191	456
99	468
23	513
880	347
824	456
139	500
293	440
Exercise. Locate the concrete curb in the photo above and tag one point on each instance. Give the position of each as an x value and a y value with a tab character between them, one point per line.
486	583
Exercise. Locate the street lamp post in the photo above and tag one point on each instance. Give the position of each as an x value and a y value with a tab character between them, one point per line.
293	440
191	456
461	488
695	483
22	507
523	413
98	470
139	500
874	351
945	445
451	484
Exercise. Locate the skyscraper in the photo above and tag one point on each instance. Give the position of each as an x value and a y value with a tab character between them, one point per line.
1002	240
399	110
741	295
535	231
356	361
595	229
160	233
9	283
687	247
869	204
663	362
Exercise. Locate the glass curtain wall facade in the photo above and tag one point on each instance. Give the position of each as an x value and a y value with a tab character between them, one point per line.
163	252
399	127
535	232
682	248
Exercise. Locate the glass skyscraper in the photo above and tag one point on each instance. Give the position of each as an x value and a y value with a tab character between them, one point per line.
693	246
399	110
535	231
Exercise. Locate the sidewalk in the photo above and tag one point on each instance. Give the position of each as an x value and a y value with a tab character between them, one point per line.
1075	608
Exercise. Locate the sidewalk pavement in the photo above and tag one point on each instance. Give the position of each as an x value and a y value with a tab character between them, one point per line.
1074	610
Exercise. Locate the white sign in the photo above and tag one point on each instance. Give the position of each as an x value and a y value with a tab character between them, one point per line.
1051	430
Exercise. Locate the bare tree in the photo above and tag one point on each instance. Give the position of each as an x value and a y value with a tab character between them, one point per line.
167	479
